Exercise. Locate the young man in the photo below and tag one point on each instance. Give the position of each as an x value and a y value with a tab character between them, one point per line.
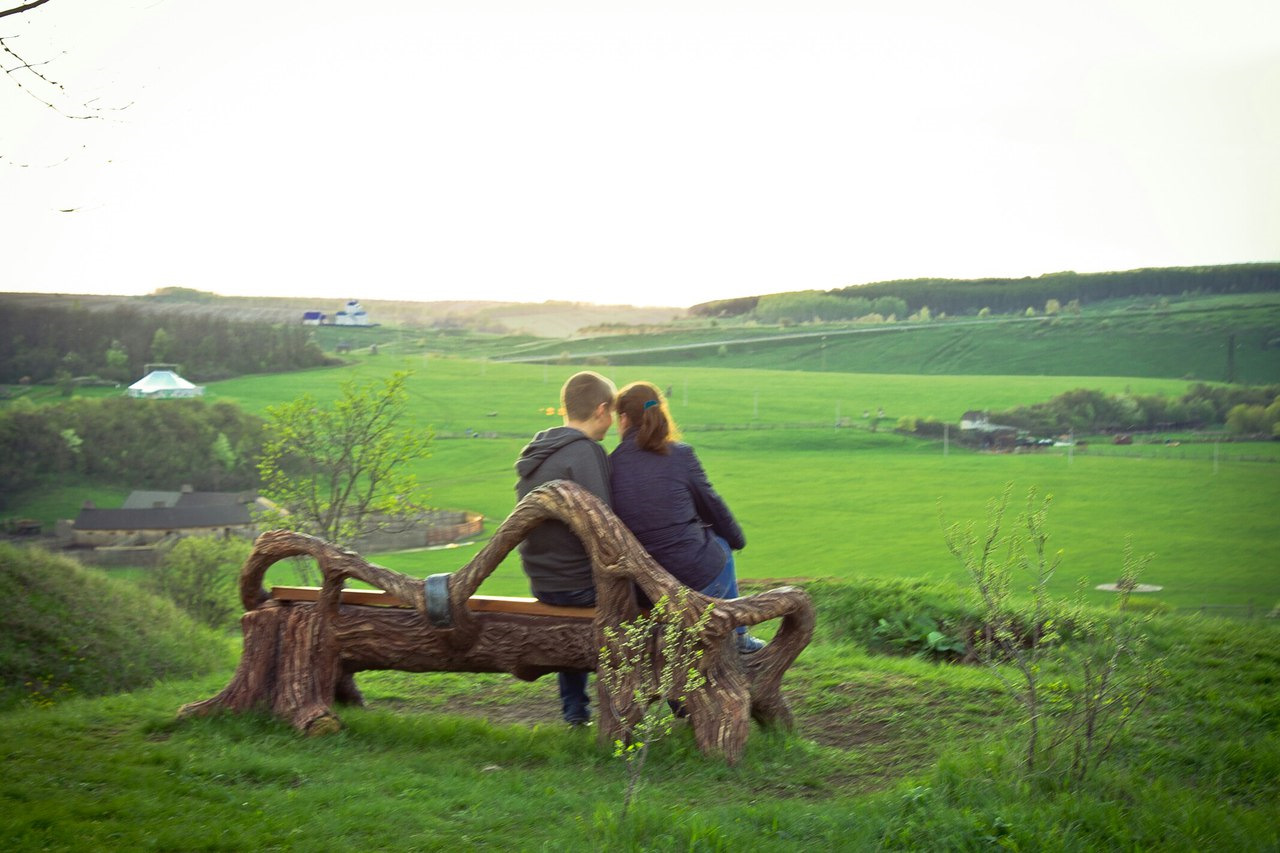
557	564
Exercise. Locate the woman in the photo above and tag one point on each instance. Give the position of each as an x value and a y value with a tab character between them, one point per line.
662	494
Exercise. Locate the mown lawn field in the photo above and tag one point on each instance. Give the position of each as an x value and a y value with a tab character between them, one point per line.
454	395
818	501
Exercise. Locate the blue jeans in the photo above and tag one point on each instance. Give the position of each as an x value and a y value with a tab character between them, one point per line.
726	584
574	704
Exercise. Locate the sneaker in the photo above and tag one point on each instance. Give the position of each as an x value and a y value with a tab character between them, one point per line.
748	644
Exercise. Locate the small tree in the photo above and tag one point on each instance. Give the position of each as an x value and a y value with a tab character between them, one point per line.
161	345
990	560
654	656
199	575
117	361
1114	679
1116	676
340	470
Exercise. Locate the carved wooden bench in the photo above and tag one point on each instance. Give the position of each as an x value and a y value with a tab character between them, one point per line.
303	646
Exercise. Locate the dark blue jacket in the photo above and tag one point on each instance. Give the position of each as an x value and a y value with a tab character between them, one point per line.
670	506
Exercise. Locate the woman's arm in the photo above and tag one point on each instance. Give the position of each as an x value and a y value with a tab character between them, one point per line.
710	506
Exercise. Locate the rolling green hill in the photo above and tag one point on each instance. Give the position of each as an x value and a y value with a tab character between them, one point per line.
1211	338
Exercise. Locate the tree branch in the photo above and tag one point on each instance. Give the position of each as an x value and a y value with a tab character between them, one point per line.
25	7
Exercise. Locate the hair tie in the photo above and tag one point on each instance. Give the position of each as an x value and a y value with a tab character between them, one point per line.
650	404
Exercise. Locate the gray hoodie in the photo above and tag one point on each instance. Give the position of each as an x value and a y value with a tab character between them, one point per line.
553	557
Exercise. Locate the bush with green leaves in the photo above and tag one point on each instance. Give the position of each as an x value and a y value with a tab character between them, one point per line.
918	634
876	613
199	575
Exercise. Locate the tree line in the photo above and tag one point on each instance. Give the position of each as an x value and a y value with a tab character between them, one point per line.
39	343
804	305
139	443
1006	295
1244	410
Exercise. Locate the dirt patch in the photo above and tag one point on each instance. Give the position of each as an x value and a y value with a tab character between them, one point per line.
499	704
839	728
859	718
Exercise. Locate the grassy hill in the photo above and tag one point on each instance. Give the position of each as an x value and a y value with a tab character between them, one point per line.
890	752
1187	339
895	753
69	631
551	319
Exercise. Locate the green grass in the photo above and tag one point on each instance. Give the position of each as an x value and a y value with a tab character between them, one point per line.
67	630
63	498
892	753
889	753
454	395
1184	340
839	503
868	505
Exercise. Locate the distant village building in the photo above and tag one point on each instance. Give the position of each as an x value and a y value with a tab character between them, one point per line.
977	426
148	517
352	315
163	382
148	520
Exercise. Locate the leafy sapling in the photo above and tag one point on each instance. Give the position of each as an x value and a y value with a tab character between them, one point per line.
1022	648
655	656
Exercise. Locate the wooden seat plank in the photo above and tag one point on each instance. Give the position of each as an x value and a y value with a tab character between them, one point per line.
477	603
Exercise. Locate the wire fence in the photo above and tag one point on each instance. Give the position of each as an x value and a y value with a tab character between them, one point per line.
957	440
1094	450
1234	611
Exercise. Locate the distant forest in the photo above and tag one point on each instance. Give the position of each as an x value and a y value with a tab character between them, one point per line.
45	342
143	443
997	295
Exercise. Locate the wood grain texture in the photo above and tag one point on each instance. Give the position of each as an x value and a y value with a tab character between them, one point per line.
299	656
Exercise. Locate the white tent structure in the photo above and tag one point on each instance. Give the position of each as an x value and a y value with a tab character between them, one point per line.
163	384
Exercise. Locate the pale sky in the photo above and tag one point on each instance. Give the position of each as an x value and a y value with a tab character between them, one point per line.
652	153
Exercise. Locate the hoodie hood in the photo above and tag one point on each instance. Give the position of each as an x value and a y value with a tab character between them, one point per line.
543	445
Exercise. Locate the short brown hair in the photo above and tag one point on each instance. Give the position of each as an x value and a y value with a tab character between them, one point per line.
647	416
583	393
